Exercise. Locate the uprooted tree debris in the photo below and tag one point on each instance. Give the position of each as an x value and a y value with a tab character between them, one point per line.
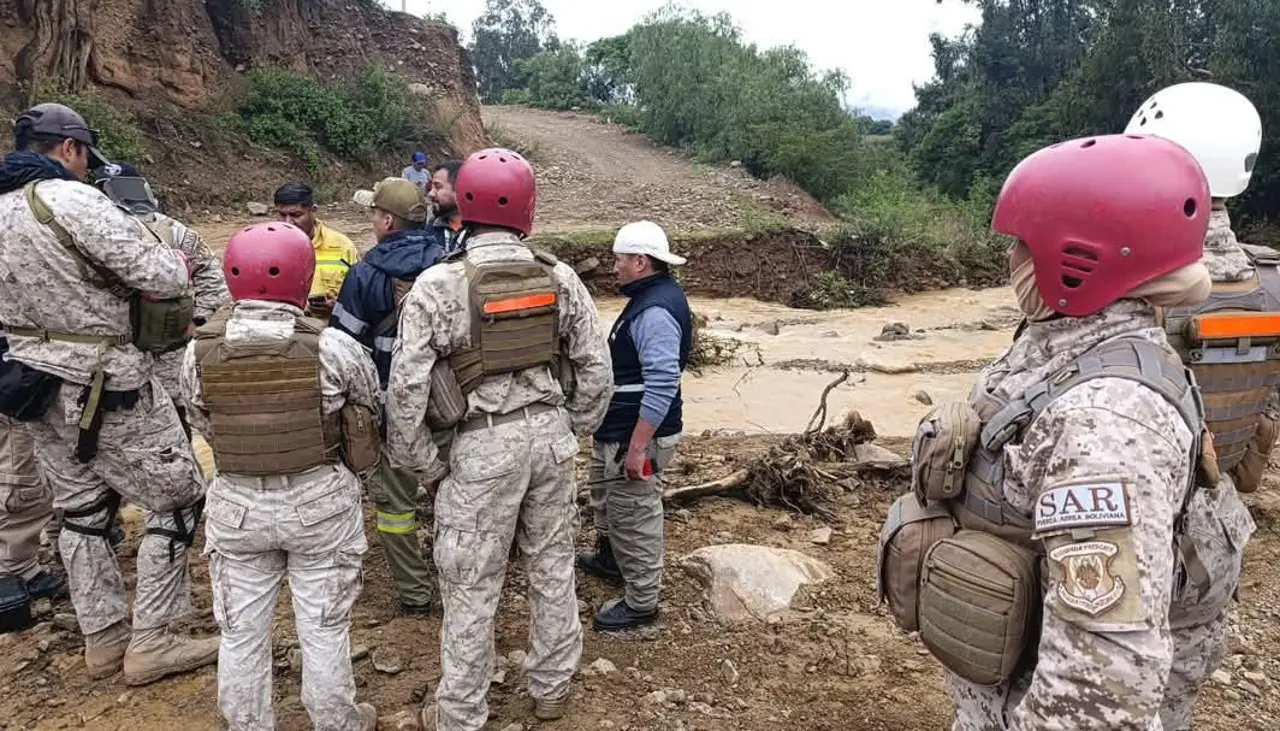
807	472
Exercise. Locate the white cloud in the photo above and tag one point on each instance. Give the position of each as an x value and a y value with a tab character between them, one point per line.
883	45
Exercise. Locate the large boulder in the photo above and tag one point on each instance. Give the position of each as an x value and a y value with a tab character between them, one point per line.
752	582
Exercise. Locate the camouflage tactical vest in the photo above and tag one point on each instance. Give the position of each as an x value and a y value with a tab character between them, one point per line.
982	506
515	319
264	401
1233	347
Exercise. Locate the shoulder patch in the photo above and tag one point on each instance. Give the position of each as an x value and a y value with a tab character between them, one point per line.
1093	504
1085	580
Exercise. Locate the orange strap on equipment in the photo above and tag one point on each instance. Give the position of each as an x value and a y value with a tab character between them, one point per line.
1234	325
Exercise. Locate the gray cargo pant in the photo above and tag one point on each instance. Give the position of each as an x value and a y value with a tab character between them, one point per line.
308	528
26	502
630	513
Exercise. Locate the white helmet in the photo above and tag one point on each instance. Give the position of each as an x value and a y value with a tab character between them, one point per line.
1218	126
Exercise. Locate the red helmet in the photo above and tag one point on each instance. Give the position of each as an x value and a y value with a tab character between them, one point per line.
270	261
496	188
1104	215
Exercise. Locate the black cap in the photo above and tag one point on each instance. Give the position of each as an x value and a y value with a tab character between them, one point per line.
57	120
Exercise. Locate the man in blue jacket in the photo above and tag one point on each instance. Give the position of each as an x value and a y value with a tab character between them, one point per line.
649	345
368	310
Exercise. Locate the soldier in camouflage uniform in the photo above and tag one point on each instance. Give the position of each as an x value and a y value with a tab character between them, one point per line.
125	185
1223	131
1097	476
70	329
282	504
510	471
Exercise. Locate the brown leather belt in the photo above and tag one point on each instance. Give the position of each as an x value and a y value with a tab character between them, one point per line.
488	421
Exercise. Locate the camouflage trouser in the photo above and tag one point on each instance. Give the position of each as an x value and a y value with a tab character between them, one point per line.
307	528
26	502
1219	523
512	480
143	457
630	513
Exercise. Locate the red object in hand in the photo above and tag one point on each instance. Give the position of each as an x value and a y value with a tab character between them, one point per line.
647	471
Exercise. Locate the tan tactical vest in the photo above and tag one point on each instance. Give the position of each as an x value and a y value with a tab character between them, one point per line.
982	506
515	320
1234	349
264	401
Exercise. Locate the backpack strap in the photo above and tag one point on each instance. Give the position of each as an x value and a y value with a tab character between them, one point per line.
400	289
105	279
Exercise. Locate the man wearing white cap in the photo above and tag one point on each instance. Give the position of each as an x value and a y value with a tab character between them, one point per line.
650	345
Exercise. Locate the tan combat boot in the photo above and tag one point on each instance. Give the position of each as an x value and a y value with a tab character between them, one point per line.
370	715
104	651
427	717
156	653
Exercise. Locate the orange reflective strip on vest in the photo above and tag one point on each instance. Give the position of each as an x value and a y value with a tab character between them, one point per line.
533	301
1233	325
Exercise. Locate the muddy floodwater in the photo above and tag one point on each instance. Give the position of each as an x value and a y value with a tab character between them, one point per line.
787	357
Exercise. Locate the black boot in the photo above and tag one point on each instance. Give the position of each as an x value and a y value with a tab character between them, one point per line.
600	563
618	616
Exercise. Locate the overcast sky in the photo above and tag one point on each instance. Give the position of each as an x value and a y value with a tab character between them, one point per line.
883	45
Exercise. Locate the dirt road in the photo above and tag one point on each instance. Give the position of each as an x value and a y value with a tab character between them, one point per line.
595	175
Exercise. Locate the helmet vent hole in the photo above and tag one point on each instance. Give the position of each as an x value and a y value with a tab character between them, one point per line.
274	271
470	197
1249	161
502	159
502	200
1153	104
1136	137
1072	282
483	157
1143	123
1189	208
235	271
1160	114
1089	143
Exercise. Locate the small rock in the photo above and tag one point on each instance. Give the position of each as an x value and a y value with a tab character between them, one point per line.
1253	677
513	727
294	657
873	456
656	698
867	664
923	398
829	334
771	328
197	144
683	515
783	523
359	652
722	537
729	671
1248	687
735	164
124	698
894	331
820	536
604	667
66	622
1231	695
42	681
885	368
677	696
402	721
589	264
371	623
386	662
583	607
19	667
1221	676
517	658
258	209
499	677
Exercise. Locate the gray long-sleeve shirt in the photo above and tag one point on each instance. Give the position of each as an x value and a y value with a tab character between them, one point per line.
657	338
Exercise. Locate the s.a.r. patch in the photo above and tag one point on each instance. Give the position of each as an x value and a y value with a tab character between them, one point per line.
1092	504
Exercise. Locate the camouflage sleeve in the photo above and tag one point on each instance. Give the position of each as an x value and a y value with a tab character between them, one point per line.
347	374
206	270
117	241
422	321
192	393
1106	467
588	349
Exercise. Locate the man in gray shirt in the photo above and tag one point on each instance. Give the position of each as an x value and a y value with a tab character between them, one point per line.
650	345
418	173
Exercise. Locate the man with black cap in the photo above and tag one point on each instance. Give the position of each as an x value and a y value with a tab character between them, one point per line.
89	297
368	309
125	186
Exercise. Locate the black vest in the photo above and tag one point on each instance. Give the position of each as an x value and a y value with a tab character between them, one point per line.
660	290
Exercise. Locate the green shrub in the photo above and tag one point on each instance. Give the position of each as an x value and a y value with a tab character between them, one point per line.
354	121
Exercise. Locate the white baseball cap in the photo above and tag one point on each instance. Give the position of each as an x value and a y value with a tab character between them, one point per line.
647	238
